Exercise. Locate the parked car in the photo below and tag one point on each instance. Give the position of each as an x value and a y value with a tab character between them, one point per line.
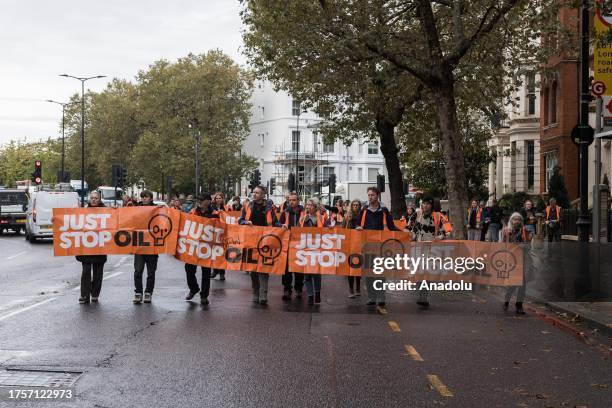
40	211
13	206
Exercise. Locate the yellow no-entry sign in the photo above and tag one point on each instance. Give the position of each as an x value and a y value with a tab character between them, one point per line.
602	58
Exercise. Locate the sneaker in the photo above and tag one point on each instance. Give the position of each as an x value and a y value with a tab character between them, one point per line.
286	295
222	277
311	300
263	302
137	298
505	306
255	298
191	294
213	275
370	302
147	297
351	294
94	299
317	297
424	304
83	300
204	300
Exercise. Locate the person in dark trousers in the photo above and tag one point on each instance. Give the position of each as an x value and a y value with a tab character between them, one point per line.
472	221
218	204
259	211
313	218
289	218
517	234
351	221
141	260
91	286
528	212
204	209
485	220
495	214
375	217
553	221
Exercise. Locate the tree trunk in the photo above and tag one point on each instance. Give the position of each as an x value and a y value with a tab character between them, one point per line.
390	152
456	182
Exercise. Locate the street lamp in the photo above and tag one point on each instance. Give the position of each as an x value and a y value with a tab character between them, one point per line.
63	105
83	79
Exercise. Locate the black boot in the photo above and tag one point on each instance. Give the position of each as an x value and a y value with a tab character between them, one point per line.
506	306
317	297
519	308
311	300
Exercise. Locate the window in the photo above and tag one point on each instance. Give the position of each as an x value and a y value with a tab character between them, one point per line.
531	95
315	143
552	161
530	164
327	170
295	141
553	104
359	174
261	140
295	108
328	148
372	173
360	147
263	112
372	148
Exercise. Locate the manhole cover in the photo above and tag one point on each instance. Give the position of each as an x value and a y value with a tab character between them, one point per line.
38	378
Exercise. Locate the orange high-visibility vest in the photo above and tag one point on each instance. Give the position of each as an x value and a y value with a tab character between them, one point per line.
321	218
478	213
523	234
363	218
247	211
287	215
558	210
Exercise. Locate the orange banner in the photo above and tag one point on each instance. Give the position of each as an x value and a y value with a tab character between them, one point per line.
105	230
214	243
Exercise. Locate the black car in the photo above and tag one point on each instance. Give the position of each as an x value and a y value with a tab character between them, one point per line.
13	206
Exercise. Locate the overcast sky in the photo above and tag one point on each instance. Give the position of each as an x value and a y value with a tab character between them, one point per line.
41	39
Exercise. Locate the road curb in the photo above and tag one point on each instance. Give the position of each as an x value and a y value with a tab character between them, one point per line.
602	327
570	329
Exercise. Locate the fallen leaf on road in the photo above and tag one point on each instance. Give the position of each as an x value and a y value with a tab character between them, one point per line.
545	332
520	362
599	385
541	396
547	350
522	404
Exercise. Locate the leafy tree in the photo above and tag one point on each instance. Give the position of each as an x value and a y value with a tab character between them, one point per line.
17	161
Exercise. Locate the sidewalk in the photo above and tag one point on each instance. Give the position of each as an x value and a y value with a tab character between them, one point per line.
596	314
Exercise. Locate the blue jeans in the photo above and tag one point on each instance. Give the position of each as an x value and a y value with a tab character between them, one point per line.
313	284
531	228
494	230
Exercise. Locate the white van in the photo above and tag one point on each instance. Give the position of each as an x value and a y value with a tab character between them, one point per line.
111	196
40	211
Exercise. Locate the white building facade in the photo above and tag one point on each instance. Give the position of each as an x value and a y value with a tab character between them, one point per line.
283	138
516	144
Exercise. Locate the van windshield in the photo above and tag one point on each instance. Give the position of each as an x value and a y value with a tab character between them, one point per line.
13	198
109	194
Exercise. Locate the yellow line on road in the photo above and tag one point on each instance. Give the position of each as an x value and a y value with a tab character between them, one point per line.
413	353
439	386
394	326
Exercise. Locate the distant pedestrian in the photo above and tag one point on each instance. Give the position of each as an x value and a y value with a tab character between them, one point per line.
92	264
313	218
553	221
472	221
235	204
495	214
127	201
142	260
516	233
218	205
176	204
188	204
290	218
485	220
529	217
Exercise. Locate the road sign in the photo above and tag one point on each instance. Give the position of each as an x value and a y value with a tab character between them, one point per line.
579	132
602	53
598	88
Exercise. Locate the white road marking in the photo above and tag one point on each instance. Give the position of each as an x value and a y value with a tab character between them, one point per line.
16	255
16	312
121	261
105	278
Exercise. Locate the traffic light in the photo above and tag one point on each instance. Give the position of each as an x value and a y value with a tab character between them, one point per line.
37	173
380	182
272	185
332	183
116	175
257	178
123	177
291	182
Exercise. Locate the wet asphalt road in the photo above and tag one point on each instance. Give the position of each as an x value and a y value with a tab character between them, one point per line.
462	352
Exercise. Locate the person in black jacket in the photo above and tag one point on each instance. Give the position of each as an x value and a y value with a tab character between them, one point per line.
91	287
375	217
289	218
204	209
141	260
259	211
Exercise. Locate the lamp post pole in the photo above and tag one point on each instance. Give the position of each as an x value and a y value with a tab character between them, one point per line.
83	79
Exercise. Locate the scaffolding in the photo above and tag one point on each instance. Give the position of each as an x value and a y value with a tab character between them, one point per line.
310	178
